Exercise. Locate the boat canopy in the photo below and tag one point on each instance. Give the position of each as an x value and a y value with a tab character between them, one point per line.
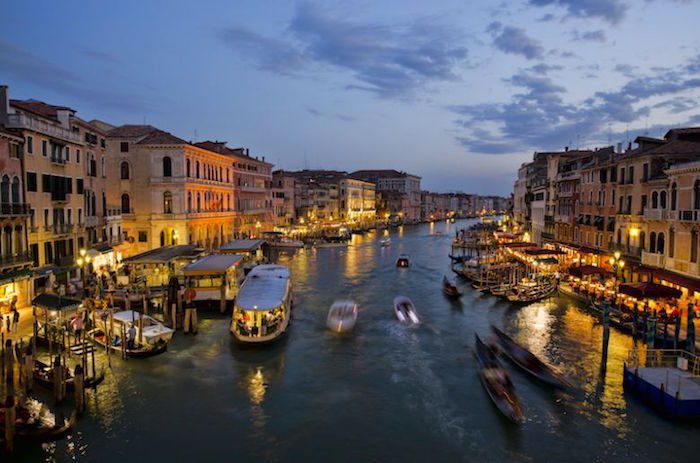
264	289
242	246
127	316
55	302
164	255
214	264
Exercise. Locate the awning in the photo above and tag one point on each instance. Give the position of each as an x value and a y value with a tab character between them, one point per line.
164	255
214	264
55	302
585	270
649	290
547	261
693	284
543	252
242	246
520	244
15	275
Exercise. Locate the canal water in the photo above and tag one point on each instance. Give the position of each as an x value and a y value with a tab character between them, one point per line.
387	393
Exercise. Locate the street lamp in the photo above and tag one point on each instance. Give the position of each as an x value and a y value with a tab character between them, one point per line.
83	263
617	264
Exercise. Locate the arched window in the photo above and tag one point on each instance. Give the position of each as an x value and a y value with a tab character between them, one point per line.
652	242
696	194
189	201
694	246
5	189
674	196
199	202
15	191
167	202
663	199
187	167
619	236
642	240
671	242
660	243
124	169
196	169
126	204
167	167
655	200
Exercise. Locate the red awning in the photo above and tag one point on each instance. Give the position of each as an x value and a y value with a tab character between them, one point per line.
649	290
585	270
544	252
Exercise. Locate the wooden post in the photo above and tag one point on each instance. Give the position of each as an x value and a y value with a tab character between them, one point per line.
79	388
140	328
223	293
57	379
29	370
173	319
145	303
124	341
9	424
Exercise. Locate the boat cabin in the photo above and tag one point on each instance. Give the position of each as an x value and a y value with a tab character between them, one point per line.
215	277
253	252
157	266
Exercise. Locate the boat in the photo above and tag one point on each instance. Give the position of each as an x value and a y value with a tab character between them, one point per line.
449	288
532	291
263	308
34	422
342	316
385	242
497	383
43	375
285	242
405	310
438	233
152	337
529	362
403	261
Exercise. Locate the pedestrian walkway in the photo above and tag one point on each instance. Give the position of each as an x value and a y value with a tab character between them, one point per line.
25	328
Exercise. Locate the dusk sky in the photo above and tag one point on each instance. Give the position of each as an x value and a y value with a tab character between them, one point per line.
460	93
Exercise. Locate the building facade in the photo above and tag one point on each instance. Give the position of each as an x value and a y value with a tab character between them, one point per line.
396	182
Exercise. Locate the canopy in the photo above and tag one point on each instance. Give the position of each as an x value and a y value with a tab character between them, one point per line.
649	290
15	275
547	261
242	246
520	244
585	270
543	252
214	264
163	255
265	288
55	302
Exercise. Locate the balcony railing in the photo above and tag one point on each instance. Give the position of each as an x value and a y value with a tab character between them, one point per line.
17	259
655	214
14	209
22	121
683	266
59	228
685	216
630	251
653	259
58	160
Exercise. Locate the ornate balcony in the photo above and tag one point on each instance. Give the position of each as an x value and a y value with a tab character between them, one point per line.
14	209
655	214
653	259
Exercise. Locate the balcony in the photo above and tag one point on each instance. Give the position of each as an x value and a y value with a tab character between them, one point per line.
22	121
58	160
561	218
91	221
683	266
655	214
59	228
14	209
629	251
653	260
691	215
18	259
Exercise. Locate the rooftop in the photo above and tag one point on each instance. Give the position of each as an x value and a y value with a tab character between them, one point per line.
40	108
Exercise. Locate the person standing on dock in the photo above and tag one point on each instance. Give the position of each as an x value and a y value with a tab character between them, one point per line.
15	320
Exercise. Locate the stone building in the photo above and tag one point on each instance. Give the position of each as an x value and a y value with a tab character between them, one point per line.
283	186
390	180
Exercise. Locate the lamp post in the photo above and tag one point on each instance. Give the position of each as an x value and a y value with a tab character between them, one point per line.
617	264
83	262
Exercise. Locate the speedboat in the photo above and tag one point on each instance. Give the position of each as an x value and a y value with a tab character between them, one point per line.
403	261
449	288
385	242
405	310
342	316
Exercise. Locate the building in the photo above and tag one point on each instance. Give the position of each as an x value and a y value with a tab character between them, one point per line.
15	259
396	182
252	186
283	188
357	206
169	191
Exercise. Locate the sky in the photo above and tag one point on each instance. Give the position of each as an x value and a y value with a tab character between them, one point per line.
460	93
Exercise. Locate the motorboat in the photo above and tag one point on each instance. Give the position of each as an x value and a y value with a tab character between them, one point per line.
450	288
385	242
342	316
403	261
263	308
113	327
497	383
528	361
405	310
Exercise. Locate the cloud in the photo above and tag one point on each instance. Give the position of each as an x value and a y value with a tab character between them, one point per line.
679	104
515	41
543	68
387	60
589	36
342	117
31	69
100	55
611	11
627	70
538	117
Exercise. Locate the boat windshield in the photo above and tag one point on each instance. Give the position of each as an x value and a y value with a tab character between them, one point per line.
258	323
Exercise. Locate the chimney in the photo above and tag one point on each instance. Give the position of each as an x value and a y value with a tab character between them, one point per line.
619	148
4	104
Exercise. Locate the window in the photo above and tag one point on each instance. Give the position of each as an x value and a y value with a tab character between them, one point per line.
645	172
188	165
31	181
124	147
168	202
189	201
696	194
660	243
622	175
196	169
124	169
167	167
652	242
143	236
5	190
694	246
655	200
674	196
103	143
79	186
662	200
102	167
77	156
671	242
44	148
126	204
630	178
642	240
15	191
30	145
15	151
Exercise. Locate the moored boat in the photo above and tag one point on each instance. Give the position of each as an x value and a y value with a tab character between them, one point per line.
34	422
449	288
150	337
497	383
43	375
405	310
342	316
403	261
528	361
263	308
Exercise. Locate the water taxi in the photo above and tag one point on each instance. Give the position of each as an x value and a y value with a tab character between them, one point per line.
403	261
215	278
405	311
263	307
385	242
342	316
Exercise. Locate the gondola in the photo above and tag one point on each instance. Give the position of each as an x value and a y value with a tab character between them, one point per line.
33	422
140	351
43	375
450	289
405	311
529	362
497	383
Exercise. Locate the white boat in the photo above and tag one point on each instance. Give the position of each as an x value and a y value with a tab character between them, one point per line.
342	316
263	307
405	311
403	261
152	337
285	242
385	242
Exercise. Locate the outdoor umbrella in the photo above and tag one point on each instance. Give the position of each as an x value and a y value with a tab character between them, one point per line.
649	290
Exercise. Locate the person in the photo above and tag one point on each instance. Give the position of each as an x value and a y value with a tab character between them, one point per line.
132	337
15	320
77	325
